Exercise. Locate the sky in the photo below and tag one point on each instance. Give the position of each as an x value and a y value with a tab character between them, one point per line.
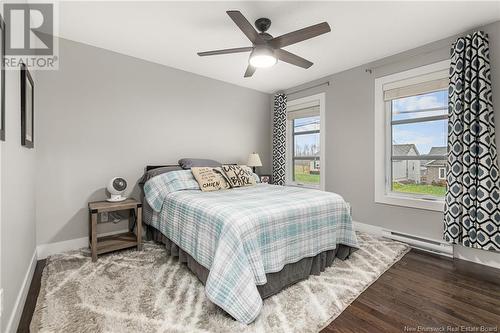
307	124
426	134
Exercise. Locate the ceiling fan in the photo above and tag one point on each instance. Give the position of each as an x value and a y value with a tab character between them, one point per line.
266	49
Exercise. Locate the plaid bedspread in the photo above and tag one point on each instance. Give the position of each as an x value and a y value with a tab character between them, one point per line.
243	233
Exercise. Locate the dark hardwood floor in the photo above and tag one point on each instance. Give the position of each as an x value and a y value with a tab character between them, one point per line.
29	305
426	293
420	293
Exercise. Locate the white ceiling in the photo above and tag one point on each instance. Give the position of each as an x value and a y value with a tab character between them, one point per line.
171	33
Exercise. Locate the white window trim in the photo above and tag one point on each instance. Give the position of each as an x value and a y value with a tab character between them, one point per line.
439	173
382	152
289	132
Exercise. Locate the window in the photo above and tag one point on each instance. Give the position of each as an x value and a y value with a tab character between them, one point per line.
419	132
411	115
442	173
306	148
304	136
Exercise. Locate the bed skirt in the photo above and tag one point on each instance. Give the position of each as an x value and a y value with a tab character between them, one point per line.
289	275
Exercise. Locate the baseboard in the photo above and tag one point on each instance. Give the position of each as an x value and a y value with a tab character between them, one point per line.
45	250
15	316
477	256
368	228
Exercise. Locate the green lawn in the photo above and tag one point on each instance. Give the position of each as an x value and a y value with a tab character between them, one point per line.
437	191
302	175
306	178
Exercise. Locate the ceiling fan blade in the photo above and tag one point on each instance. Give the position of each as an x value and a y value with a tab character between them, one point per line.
226	51
300	35
293	59
245	26
250	70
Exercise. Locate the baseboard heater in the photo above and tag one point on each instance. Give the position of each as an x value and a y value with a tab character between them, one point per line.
430	245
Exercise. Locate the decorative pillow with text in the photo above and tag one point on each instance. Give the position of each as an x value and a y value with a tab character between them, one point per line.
210	179
239	175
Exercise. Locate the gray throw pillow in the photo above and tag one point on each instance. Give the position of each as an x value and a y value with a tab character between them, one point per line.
188	163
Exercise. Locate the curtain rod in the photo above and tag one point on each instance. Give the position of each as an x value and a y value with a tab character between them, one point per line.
311	87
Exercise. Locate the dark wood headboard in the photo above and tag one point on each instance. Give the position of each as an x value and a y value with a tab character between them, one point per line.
152	167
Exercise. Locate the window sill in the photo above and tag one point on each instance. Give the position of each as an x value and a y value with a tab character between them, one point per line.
314	187
411	202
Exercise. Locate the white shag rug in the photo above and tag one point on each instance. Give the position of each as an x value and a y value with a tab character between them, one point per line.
147	291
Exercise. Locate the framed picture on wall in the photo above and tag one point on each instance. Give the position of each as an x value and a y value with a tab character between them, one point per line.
2	79
27	108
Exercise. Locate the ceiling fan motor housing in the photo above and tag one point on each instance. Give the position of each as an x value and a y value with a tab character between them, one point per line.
263	24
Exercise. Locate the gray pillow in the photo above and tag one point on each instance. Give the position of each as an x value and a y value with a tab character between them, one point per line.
188	163
155	172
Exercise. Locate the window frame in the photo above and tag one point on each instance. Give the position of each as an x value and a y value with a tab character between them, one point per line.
444	173
383	136
290	151
302	158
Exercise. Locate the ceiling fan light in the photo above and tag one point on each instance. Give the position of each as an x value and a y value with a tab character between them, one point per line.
262	58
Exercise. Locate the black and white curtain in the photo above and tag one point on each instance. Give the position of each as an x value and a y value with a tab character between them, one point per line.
279	139
472	207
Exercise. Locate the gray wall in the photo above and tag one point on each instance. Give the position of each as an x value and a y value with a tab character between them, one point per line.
17	227
104	114
349	164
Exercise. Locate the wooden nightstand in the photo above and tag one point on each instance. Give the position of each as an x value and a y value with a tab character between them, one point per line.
100	245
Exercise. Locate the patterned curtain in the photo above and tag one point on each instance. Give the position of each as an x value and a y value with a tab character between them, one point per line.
279	139
472	211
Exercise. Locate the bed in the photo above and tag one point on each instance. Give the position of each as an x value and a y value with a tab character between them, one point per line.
247	243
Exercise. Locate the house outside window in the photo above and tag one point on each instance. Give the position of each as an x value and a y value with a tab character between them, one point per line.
305	132
411	121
